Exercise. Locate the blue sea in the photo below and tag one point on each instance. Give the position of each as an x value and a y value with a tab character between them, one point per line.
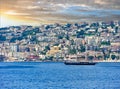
52	75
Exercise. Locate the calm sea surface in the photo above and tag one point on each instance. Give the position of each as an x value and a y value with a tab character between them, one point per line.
31	75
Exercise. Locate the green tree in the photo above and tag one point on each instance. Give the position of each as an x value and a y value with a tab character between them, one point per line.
50	58
113	57
12	40
99	57
105	43
55	44
72	42
90	57
43	52
67	37
80	33
72	51
60	37
47	47
82	48
2	38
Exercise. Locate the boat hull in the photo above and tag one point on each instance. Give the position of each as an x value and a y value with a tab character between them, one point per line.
80	63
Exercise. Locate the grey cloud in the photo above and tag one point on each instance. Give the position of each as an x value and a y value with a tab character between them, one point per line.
65	10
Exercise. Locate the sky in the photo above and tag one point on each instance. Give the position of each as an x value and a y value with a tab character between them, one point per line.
36	12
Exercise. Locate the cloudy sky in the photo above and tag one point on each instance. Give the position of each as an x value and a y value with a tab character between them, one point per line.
36	12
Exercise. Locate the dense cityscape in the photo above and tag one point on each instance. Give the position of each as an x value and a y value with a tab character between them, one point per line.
99	41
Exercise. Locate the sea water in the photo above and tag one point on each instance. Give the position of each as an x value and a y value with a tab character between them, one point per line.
52	75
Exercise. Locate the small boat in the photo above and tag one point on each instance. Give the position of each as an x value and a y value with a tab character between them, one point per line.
79	63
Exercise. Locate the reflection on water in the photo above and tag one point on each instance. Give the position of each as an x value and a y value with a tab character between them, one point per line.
31	75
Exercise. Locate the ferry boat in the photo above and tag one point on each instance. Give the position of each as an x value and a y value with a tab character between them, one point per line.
79	63
78	60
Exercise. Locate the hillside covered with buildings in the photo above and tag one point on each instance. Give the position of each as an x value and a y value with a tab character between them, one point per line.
57	42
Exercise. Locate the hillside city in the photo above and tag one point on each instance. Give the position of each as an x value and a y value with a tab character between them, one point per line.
97	41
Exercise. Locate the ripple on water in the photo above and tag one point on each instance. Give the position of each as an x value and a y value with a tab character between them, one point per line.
59	76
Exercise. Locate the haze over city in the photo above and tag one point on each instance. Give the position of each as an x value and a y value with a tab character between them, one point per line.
36	12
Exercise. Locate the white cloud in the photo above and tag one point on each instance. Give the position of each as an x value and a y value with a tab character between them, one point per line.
63	5
12	12
32	7
67	10
101	2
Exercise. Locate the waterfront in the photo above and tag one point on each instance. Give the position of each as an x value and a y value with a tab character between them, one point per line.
51	75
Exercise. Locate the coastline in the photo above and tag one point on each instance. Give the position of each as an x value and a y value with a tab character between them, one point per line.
63	61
